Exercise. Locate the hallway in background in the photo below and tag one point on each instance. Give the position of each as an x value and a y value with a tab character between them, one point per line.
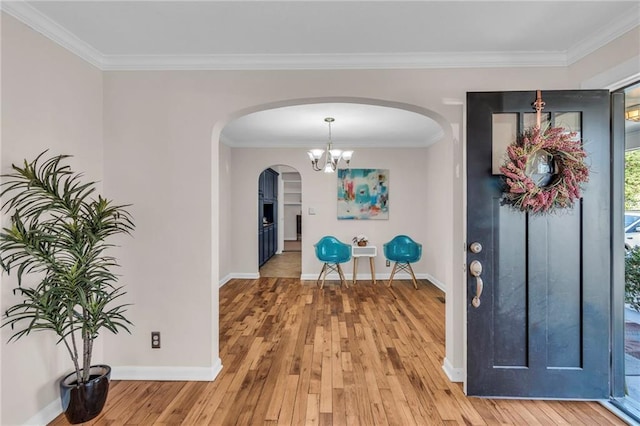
292	245
288	264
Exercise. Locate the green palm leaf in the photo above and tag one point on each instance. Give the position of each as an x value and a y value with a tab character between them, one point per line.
59	234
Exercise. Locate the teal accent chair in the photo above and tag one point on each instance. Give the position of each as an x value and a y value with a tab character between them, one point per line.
403	251
332	252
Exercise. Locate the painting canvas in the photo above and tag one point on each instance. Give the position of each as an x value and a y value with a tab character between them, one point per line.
363	194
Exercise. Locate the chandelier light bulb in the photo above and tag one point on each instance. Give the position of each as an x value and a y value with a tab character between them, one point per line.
335	154
315	154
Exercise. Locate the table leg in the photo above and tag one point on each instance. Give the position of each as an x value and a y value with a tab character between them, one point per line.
355	269
373	270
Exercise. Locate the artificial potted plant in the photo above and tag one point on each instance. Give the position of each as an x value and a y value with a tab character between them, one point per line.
58	235
361	240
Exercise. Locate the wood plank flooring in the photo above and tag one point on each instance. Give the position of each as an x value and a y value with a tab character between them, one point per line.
292	245
297	355
287	264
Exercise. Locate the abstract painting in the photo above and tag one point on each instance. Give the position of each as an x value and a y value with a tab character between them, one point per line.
363	194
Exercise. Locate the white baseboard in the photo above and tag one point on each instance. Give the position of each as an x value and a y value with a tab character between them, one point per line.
334	277
312	277
208	374
46	415
367	277
246	276
225	280
434	281
239	276
361	276
454	374
201	374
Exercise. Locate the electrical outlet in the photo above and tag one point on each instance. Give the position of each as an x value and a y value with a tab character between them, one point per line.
388	263
155	340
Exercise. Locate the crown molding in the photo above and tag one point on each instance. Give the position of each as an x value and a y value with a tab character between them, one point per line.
336	61
27	14
41	23
30	16
604	35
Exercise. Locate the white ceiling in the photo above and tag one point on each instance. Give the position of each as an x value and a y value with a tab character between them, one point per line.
355	125
328	34
297	34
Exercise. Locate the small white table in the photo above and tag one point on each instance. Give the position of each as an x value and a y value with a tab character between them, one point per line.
364	251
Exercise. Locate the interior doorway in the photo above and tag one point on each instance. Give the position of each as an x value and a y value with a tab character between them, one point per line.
292	209
286	262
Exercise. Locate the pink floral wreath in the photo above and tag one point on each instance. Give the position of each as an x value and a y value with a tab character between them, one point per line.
568	158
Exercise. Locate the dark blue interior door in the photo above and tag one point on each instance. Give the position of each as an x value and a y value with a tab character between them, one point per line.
542	327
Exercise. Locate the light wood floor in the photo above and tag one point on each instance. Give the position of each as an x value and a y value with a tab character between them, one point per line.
297	355
292	245
287	264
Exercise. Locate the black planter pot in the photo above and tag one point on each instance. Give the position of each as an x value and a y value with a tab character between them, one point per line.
81	403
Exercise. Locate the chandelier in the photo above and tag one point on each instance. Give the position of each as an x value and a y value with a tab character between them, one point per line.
331	156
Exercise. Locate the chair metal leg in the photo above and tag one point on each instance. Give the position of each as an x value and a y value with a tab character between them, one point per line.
393	272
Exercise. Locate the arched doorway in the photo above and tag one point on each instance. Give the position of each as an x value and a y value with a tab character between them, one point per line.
443	180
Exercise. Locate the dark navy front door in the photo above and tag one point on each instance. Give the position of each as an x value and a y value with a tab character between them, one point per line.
542	328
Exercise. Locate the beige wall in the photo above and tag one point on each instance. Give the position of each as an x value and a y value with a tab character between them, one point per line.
607	66
225	207
52	100
159	124
160	133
